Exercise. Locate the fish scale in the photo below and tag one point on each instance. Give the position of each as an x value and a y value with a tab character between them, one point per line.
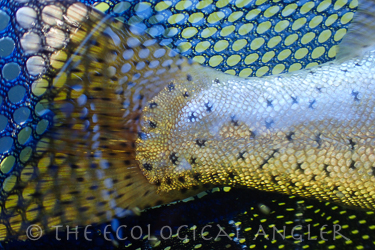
330	129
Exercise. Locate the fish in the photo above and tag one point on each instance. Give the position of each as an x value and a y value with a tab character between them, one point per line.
113	138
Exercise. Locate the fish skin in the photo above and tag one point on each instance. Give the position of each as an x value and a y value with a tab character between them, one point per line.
310	132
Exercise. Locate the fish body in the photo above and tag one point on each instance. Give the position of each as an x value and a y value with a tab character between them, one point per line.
126	124
309	132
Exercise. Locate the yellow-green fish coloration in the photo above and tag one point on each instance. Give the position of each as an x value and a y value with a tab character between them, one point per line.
123	123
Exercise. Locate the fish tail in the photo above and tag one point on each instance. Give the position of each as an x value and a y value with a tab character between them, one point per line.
360	37
83	168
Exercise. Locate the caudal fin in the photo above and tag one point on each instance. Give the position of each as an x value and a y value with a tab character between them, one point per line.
361	33
83	168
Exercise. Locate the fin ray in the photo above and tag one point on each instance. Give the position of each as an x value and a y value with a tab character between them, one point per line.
360	37
86	170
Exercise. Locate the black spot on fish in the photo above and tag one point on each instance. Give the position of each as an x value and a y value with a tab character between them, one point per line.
152	124
289	136
265	161
186	94
240	155
318	140
157	183
80	179
311	105
373	171
344	70
217	80
355	95
252	134
192	117
95	42
136	75
269	103
74	166
292	184
189	77
319	89
325	169
352	163
196	176
269	124
352	144
200	143
153	105
208	106
357	64
335	188
231	175
294	100
142	136
171	87
299	167
147	166
93	187
168	181
273	178
193	160
181	179
173	157
234	121
183	190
